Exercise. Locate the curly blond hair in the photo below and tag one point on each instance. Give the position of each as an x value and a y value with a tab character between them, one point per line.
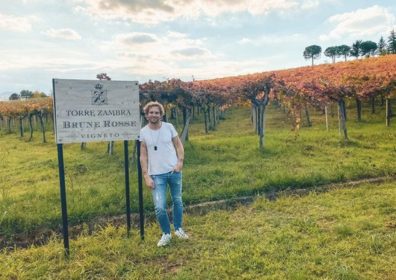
147	107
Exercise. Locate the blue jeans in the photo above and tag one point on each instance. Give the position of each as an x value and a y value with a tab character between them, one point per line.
174	179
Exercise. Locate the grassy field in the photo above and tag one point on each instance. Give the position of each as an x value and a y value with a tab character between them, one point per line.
340	234
225	163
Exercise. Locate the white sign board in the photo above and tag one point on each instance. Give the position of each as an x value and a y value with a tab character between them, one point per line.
93	110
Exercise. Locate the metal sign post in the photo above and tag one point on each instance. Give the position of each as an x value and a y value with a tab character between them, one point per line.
65	228
140	186
127	192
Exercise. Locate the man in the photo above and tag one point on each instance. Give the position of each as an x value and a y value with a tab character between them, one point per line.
161	158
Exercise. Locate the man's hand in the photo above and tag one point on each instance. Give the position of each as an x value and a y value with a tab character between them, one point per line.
149	182
180	153
178	167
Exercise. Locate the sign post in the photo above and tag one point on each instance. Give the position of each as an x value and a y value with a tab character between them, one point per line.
92	110
140	186
65	229
127	192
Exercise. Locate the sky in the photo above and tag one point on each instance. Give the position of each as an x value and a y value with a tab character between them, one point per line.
188	39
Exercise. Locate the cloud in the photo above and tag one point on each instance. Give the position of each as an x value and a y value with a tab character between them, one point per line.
164	56
47	57
16	23
136	38
190	52
203	70
310	4
63	33
163	53
272	39
177	55
165	47
156	11
359	24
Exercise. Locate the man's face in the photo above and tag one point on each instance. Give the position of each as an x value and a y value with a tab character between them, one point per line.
154	115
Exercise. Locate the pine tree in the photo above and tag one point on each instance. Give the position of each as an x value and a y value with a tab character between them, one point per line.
392	42
312	52
368	48
356	49
331	52
382	46
343	50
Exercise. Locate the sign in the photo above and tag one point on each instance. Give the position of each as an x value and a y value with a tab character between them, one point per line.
95	110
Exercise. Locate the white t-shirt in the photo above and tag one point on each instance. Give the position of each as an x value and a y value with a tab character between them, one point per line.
162	157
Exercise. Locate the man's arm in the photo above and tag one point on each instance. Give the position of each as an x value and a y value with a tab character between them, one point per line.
144	164
180	153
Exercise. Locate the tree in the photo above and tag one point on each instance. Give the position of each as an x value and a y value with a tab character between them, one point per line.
26	94
382	46
312	52
343	50
331	52
38	94
368	48
103	76
356	50
14	96
392	42
258	92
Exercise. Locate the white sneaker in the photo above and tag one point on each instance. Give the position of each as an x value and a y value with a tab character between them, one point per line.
165	240
181	234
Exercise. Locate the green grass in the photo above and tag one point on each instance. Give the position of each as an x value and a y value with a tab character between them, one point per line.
340	234
223	164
